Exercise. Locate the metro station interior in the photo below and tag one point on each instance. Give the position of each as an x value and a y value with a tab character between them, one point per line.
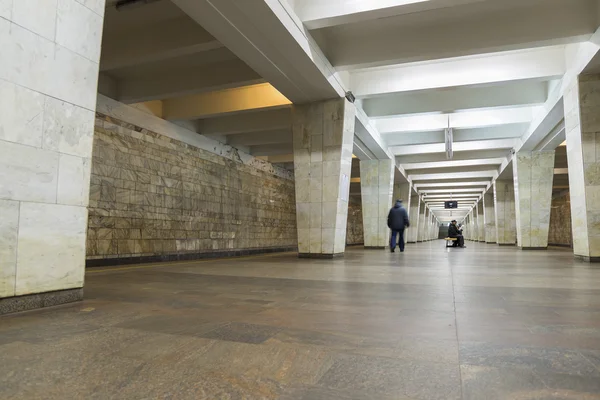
194	199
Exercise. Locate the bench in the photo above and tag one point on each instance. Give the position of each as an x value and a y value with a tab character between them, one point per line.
450	241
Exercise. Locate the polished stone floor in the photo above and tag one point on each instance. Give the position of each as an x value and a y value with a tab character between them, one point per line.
485	322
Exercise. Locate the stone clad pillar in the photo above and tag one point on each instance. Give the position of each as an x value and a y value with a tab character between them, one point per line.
582	106
403	192
376	183
415	208
489	217
480	222
48	90
533	176
473	225
323	141
422	224
504	207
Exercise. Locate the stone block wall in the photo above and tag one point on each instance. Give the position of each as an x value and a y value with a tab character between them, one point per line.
354	228
560	221
154	197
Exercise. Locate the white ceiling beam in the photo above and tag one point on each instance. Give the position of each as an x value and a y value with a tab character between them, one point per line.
317	14
464	120
155	42
455	175
440	206
451	184
554	139
460	135
458	195
439	191
456	99
536	64
369	135
440	157
579	56
182	82
259	121
454	163
257	31
485	27
446	197
458	147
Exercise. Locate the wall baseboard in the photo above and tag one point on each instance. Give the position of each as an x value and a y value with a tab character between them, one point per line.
9	305
105	262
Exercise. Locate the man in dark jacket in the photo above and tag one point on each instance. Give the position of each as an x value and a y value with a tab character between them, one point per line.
397	221
455	232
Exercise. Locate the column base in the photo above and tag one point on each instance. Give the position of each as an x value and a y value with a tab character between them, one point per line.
506	244
375	247
411	242
28	302
490	243
587	259
320	256
560	245
533	248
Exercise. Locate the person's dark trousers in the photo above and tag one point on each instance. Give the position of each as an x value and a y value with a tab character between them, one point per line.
461	240
400	240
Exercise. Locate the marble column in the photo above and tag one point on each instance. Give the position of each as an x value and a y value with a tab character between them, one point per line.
402	191
473	226
504	207
480	222
422	219
48	89
582	107
376	186
533	177
489	217
415	208
323	135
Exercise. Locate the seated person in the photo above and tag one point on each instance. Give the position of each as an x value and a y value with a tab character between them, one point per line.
455	232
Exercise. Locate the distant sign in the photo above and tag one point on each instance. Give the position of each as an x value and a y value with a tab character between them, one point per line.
451	204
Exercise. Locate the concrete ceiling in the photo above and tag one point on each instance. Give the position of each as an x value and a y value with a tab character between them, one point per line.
494	71
160	60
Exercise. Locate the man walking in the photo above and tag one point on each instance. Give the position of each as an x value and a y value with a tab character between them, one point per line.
397	221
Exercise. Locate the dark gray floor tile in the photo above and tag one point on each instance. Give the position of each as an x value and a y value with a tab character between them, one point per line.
380	375
369	326
170	324
493	383
543	360
321	393
572	386
241	332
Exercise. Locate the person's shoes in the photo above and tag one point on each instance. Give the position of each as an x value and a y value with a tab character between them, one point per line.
401	251
463	247
392	250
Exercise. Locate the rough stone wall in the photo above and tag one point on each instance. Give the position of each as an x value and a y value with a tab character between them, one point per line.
560	221
354	233
151	196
